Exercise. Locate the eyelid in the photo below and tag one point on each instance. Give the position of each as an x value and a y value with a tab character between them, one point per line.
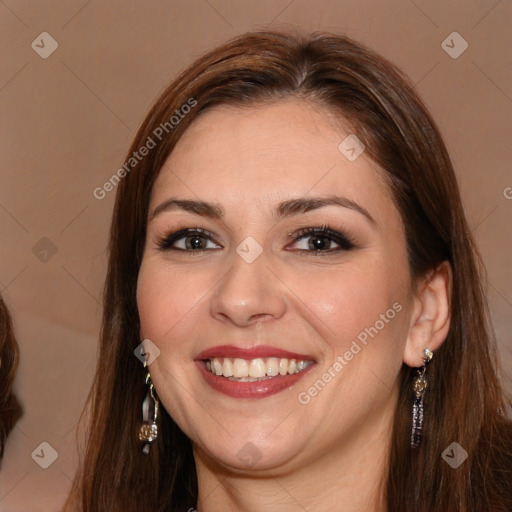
343	240
164	242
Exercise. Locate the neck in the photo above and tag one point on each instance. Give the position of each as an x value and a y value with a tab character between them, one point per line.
349	476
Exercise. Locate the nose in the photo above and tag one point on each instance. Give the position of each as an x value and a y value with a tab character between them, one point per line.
248	293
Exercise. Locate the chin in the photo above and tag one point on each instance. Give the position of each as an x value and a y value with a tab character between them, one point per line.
250	458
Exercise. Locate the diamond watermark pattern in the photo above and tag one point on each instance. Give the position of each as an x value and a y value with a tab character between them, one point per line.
454	45
351	147
44	250
45	455
147	352
454	455
249	454
44	45
249	249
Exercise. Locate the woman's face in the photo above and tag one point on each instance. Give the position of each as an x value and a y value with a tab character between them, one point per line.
251	291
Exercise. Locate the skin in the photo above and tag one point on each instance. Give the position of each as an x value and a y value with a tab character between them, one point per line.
333	449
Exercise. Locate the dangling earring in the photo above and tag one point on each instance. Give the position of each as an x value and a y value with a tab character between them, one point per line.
148	431
420	384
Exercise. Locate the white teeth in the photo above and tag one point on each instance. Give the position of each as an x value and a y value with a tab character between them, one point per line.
227	368
255	369
301	365
217	367
283	366
272	366
240	368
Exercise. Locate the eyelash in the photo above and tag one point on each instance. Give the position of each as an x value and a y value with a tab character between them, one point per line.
325	231
166	242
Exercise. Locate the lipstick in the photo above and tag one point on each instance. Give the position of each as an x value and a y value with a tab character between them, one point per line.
261	387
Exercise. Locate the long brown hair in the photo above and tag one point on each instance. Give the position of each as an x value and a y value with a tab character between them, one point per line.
464	402
9	354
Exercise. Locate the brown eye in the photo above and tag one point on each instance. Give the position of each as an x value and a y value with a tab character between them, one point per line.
318	243
321	239
187	240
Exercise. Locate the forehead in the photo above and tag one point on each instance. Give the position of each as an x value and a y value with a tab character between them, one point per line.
245	155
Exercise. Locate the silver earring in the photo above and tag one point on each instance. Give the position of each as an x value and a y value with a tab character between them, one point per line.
419	386
148	431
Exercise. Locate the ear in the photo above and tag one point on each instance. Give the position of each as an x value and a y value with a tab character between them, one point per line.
430	317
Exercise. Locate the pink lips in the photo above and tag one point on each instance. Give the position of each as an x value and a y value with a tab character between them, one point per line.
250	353
250	390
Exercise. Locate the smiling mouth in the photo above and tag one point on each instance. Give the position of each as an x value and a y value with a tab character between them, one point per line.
255	370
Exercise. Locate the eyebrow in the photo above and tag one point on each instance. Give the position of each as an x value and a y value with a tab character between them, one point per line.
285	209
201	208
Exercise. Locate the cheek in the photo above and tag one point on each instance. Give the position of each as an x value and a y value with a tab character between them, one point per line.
344	302
164	299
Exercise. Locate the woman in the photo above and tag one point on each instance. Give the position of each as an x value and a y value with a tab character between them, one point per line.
290	260
9	409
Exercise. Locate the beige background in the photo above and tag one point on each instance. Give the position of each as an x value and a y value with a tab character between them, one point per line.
66	124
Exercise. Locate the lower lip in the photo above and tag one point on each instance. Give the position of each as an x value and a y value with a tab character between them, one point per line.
261	389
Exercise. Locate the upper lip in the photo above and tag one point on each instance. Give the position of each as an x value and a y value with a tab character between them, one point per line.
251	353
